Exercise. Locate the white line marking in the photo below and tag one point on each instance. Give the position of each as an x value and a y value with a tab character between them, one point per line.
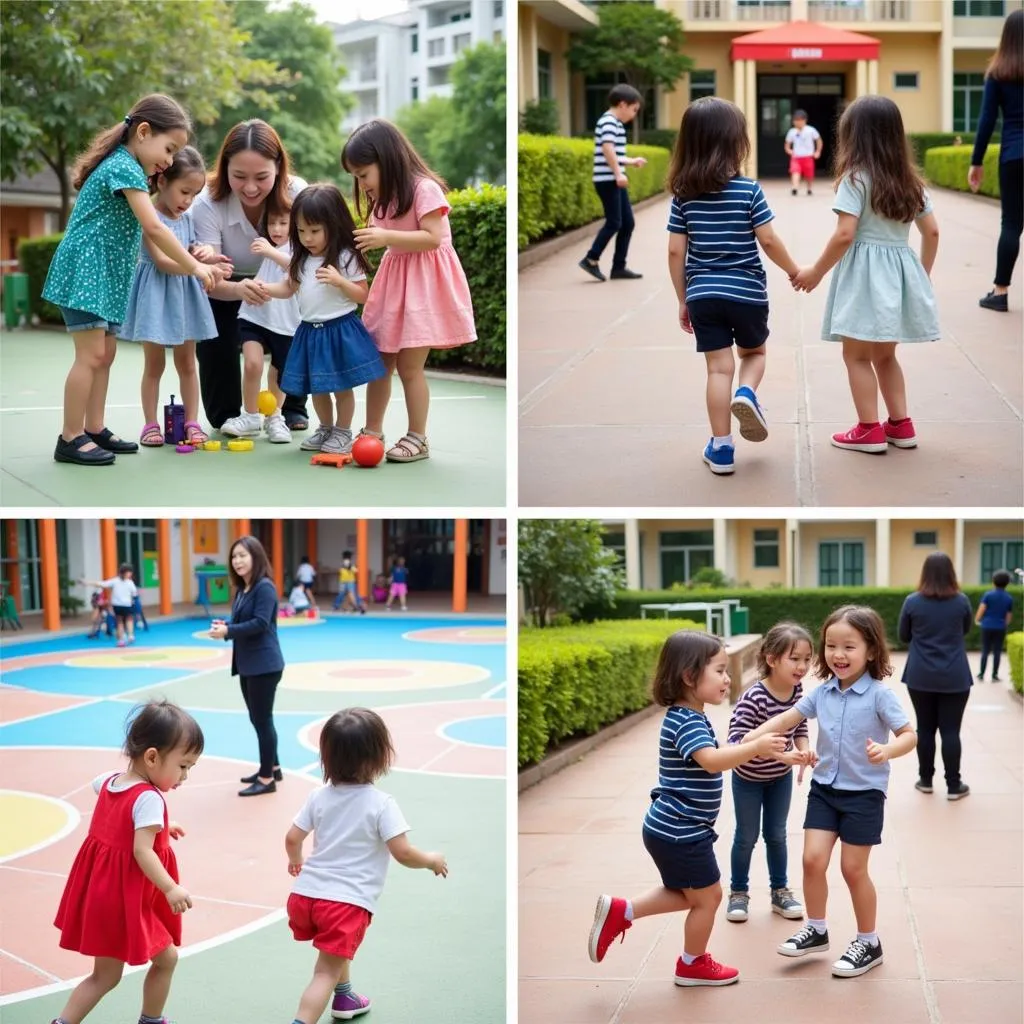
73	818
30	966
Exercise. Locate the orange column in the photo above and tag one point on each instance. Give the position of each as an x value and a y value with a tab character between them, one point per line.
243	527
363	556
185	540
163	563
108	548
277	553
14	567
459	568
51	578
311	541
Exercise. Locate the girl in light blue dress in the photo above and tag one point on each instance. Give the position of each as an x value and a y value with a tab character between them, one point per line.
881	292
167	309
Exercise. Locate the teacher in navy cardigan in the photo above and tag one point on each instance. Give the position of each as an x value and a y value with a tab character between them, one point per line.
256	656
934	622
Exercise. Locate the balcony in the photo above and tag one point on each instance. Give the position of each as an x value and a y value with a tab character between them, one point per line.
697	11
858	11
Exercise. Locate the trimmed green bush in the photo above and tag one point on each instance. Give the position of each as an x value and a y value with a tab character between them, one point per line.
576	679
921	142
1015	655
664	138
34	255
948	166
555	188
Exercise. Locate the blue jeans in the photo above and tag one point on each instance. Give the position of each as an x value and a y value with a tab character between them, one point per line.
748	798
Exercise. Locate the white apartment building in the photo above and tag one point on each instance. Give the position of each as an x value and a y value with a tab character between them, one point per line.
406	57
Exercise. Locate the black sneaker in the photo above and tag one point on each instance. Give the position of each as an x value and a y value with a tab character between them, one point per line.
859	958
625	274
993	301
809	192
996	679
980	677
923	787
807	940
958	792
792	192
71	451
591	268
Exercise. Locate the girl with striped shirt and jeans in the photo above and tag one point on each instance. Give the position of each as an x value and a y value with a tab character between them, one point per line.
678	830
782	661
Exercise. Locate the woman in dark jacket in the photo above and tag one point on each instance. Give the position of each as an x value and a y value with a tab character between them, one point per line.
934	621
1004	90
256	655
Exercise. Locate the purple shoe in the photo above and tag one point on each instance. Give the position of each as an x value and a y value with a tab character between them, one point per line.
345	1007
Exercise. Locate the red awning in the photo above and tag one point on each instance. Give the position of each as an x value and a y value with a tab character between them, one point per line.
804	41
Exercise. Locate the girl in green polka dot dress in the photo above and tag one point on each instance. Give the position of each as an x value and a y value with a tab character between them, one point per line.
93	268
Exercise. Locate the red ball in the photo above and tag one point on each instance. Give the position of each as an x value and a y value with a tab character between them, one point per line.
367	450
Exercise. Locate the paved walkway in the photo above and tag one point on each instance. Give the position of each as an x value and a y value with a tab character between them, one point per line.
949	897
612	406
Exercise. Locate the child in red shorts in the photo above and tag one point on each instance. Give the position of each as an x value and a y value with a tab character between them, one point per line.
803	147
356	830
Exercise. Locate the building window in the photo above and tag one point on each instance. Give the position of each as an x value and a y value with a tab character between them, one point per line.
616	541
841	563
460	16
904	80
437	77
134	538
461	42
979	8
1000	554
414	43
415	89
435	47
685	552
926	538
499	8
766	549
968	88
702	83
544	75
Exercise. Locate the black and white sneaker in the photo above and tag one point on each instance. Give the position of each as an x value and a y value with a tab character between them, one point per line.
807	940
859	958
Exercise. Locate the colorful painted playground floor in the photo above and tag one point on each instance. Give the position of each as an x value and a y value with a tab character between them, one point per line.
440	685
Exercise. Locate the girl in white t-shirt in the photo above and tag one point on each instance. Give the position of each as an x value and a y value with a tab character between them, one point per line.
331	353
356	830
123	593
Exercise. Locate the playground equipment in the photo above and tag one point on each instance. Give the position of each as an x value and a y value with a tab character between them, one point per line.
723	618
212	585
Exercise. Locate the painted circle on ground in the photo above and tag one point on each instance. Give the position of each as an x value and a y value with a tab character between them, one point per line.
380	674
477	732
145	657
458	635
32	821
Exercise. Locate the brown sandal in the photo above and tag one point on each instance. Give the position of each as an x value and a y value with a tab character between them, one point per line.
409	449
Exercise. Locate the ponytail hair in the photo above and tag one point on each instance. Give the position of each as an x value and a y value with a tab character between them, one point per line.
160	112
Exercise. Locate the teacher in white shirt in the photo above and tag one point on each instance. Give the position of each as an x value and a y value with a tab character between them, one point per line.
251	172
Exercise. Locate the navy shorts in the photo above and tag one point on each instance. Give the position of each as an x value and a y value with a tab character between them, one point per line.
684	865
722	323
274	344
855	814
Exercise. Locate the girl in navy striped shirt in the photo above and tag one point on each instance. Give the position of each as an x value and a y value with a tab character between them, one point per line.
678	830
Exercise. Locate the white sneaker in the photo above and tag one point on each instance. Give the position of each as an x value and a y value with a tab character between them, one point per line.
277	430
339	443
315	441
247	424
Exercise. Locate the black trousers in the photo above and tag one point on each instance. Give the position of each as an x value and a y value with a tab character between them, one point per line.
258	692
618	222
945	712
991	643
1011	193
220	370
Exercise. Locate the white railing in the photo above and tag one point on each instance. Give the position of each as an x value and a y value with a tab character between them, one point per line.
860	10
736	10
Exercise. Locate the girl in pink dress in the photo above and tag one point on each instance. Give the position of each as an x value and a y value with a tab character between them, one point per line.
419	298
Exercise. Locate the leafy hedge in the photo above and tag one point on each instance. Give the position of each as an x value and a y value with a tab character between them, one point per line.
921	142
1015	655
575	679
34	255
808	607
555	188
948	165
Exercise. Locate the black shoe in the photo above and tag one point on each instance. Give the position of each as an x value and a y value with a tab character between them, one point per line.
958	792
980	677
996	679
258	789
792	191
809	192
591	268
993	301
859	958
807	940
278	776
71	451
106	440
625	274
921	786
296	421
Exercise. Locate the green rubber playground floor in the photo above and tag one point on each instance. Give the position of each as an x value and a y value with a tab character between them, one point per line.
466	467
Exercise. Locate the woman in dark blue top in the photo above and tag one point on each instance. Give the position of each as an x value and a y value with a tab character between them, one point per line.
934	621
256	656
1004	90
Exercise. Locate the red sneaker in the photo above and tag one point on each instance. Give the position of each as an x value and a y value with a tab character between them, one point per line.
862	438
609	923
705	970
901	435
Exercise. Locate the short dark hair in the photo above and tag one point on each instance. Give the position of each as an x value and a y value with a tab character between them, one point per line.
355	747
1001	578
125	567
163	725
778	641
711	148
188	160
324	204
684	656
623	93
799	115
260	562
938	577
869	624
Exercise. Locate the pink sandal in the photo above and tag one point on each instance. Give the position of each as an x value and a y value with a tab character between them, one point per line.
194	434
152	436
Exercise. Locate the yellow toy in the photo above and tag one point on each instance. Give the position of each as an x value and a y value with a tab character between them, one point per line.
266	403
210	446
241	445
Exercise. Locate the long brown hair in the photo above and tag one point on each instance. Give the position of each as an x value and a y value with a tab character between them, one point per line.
938	577
869	624
711	147
1007	63
871	141
260	562
682	661
160	112
778	642
380	142
323	204
258	136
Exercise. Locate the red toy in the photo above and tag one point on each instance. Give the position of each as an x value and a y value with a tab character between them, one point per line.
367	450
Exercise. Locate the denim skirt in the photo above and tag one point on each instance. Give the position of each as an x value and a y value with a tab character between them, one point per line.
330	355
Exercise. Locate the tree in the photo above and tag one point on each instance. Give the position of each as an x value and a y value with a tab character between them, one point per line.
419	121
563	565
641	41
72	69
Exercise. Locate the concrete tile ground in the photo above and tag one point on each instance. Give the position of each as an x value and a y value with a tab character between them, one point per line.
949	897
611	392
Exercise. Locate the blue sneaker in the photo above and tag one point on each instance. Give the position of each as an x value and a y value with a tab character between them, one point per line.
753	425
720	460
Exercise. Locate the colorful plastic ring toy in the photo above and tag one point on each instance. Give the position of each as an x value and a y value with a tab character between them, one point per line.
241	445
184	449
211	446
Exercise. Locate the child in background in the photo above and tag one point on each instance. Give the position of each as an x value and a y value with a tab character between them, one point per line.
111	214
855	712
348	589
994	615
419	298
717	219
881	293
167	307
399	583
306	575
766	784
123	593
380	588
123	900
678	830
298	600
803	147
100	609
356	829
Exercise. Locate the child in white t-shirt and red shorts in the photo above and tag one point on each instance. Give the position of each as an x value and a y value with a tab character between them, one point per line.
803	147
356	829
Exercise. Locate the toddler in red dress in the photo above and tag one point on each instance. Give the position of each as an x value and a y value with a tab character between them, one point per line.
122	903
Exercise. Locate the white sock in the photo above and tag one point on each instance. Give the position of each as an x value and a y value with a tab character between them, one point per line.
629	910
687	959
818	924
721	442
868	938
